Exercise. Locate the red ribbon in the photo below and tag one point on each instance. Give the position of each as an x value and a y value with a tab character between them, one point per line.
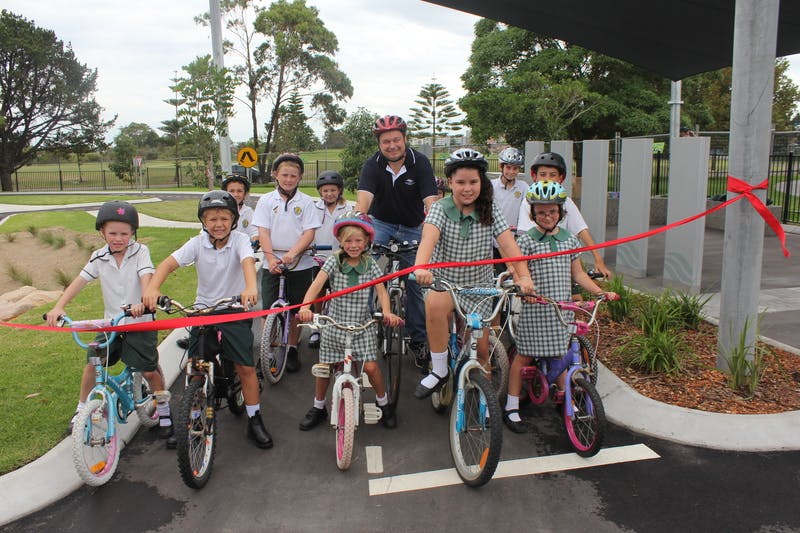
745	190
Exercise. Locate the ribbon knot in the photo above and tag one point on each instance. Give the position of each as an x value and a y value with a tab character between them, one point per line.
745	189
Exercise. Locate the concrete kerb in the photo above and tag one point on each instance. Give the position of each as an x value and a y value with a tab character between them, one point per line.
52	476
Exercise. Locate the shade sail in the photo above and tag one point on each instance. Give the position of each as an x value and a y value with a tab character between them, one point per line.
673	38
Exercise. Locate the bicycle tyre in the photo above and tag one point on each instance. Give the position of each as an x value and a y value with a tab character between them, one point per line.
196	436
394	353
144	401
586	430
589	358
537	389
273	351
476	448
95	457
345	429
235	394
500	367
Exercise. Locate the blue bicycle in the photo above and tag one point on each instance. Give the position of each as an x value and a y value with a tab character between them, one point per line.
95	440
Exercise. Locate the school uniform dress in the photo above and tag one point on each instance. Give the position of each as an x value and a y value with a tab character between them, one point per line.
539	332
464	238
352	308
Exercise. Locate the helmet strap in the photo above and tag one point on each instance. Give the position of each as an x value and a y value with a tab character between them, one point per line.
283	192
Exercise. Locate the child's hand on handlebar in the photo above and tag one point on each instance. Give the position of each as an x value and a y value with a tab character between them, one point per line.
424	277
150	298
305	315
137	310
249	297
53	315
610	296
392	320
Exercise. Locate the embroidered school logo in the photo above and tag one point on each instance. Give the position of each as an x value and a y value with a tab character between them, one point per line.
517	194
245	223
275	209
120	210
298	210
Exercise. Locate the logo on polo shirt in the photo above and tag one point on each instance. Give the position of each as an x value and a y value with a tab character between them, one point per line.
410	182
517	194
245	223
298	210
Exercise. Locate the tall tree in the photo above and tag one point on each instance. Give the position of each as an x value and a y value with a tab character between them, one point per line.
359	144
295	135
298	56
238	16
207	92
46	95
436	114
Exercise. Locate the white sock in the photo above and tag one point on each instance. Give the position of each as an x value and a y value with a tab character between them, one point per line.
439	364
512	404
252	409
319	404
383	400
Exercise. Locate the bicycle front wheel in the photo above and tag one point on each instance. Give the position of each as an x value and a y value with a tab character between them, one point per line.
273	351
394	350
195	432
476	433
498	357
144	400
587	426
345	429
95	453
589	357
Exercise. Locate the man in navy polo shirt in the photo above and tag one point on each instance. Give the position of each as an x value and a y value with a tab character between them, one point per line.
397	187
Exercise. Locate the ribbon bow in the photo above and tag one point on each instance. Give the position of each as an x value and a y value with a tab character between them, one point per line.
735	185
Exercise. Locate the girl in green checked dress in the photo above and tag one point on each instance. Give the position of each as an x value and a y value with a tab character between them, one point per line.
351	265
540	333
460	228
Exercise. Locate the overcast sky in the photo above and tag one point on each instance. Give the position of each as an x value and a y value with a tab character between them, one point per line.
388	50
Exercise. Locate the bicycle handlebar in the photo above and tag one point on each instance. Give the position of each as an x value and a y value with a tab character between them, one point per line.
501	289
165	303
93	324
325	320
395	247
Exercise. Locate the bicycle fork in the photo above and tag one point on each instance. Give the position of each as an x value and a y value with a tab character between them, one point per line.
483	408
574	367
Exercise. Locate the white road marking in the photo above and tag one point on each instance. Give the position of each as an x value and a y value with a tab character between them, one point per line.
374	459
513	468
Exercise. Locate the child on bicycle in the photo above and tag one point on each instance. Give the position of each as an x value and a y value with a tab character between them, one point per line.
508	192
352	265
287	219
239	188
460	227
225	266
540	333
551	166
331	205
124	269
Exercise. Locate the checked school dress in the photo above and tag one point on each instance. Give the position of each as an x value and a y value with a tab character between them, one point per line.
539	333
352	308
464	238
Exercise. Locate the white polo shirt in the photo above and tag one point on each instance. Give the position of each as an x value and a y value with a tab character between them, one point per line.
572	222
219	271
245	224
286	222
324	234
508	199
121	284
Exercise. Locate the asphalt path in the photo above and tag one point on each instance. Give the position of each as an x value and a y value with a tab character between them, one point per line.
635	484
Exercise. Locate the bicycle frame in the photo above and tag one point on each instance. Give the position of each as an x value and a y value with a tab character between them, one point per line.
393	252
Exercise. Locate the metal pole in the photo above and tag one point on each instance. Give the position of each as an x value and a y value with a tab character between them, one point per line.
675	103
218	55
754	41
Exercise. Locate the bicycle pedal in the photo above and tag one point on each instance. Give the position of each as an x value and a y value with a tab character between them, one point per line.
372	413
365	384
321	370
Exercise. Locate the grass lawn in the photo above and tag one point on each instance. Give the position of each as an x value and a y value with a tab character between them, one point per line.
63	199
41	370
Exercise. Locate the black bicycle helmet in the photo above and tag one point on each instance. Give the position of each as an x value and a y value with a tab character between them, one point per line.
389	123
218	200
549	159
330	177
294	158
117	211
233	177
510	156
465	157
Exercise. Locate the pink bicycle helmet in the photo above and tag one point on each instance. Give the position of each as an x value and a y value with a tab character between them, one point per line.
354	218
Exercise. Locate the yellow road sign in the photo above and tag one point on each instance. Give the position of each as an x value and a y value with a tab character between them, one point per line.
247	157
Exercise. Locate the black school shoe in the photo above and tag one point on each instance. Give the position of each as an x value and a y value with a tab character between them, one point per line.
313	418
292	360
388	416
257	432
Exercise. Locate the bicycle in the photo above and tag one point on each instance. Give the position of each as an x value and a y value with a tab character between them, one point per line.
275	334
393	339
348	386
210	380
580	404
95	440
588	348
476	433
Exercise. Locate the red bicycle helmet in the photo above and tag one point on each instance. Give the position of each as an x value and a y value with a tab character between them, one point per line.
389	123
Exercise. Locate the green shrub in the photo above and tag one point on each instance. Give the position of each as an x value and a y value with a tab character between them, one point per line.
620	309
654	313
661	351
11	237
19	275
62	278
33	230
745	362
688	308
